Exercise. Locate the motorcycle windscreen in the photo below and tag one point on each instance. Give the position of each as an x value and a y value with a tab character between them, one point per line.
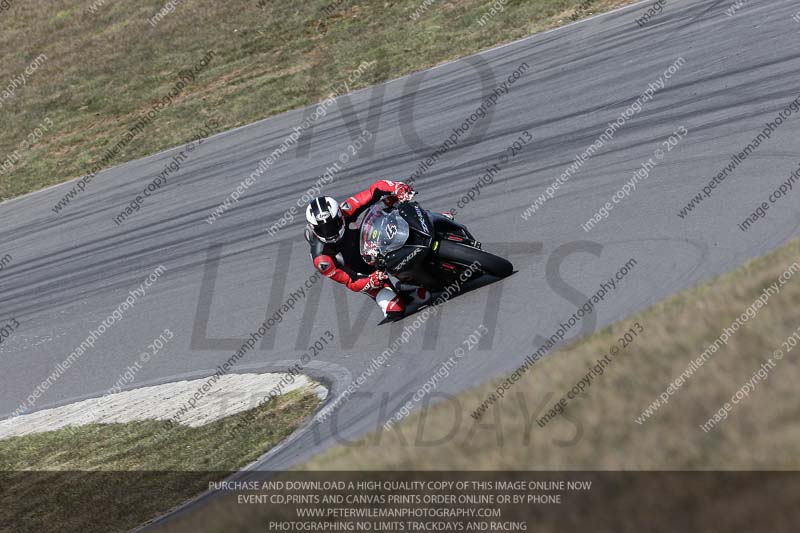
382	232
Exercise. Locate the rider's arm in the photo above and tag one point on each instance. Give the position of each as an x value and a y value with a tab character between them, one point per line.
341	274
353	206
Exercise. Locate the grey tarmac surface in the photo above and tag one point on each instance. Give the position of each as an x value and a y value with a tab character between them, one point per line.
71	270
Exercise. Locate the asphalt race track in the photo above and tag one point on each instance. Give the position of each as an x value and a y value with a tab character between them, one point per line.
71	270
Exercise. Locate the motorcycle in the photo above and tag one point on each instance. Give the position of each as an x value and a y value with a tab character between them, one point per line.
424	248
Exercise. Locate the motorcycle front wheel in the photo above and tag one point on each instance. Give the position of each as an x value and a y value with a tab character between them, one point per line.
466	255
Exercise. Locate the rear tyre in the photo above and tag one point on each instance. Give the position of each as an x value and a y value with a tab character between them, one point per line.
466	255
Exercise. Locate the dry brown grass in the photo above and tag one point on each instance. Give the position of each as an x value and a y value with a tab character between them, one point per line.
104	68
761	432
58	480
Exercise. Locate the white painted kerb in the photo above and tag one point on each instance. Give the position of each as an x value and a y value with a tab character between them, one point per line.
231	394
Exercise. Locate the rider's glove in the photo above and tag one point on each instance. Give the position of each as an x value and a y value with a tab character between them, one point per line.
376	280
403	192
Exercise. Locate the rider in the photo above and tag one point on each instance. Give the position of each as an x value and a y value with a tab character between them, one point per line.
333	234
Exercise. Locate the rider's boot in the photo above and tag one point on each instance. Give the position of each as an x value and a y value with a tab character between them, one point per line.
391	303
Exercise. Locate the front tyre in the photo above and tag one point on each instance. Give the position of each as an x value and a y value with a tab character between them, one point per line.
466	255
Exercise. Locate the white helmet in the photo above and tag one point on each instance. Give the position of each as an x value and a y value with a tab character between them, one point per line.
325	219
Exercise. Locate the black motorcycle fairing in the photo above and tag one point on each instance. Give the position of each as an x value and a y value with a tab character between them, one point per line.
446	228
416	250
422	252
418	219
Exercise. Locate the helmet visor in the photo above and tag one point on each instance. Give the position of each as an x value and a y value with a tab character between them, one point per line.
330	230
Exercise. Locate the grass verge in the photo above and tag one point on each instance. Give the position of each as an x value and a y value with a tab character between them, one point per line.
105	65
113	477
600	431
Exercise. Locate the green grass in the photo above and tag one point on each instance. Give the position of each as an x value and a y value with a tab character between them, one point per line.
104	69
136	471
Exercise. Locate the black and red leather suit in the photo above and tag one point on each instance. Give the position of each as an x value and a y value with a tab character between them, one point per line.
341	261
